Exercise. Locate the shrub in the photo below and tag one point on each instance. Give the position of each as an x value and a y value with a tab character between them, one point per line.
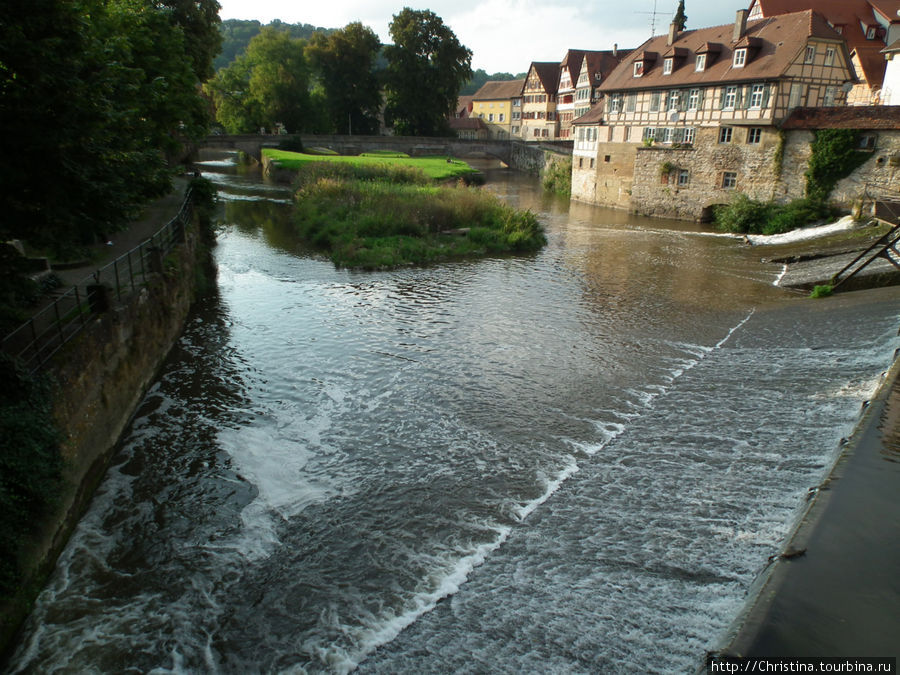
822	291
748	216
557	177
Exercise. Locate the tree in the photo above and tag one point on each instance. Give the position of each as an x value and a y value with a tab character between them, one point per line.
92	93
680	19
199	21
345	63
266	86
427	66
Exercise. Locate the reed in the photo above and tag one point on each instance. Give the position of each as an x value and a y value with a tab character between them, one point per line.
369	220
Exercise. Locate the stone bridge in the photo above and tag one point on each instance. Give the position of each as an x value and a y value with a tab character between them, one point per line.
414	146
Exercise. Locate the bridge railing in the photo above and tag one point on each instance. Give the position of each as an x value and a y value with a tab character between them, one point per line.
45	333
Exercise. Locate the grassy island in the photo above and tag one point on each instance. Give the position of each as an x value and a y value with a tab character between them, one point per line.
386	213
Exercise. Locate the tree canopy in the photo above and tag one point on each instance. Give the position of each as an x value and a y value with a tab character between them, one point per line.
427	66
680	19
93	95
266	86
345	62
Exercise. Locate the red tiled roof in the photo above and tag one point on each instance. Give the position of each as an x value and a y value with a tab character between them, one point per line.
779	40
601	64
851	16
548	73
463	104
851	117
467	123
499	89
592	116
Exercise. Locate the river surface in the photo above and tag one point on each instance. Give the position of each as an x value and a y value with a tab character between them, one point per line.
572	462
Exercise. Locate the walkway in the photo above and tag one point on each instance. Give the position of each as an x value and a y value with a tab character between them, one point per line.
151	220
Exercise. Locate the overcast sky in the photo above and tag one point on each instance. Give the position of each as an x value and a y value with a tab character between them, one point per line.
504	35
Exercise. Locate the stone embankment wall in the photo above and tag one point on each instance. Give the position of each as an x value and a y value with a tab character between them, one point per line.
881	171
659	193
631	176
533	158
99	379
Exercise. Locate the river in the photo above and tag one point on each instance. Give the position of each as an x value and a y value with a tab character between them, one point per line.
571	462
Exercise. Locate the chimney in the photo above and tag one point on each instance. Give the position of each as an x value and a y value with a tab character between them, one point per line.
615	49
740	25
673	32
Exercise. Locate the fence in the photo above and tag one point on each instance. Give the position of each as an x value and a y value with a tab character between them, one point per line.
39	338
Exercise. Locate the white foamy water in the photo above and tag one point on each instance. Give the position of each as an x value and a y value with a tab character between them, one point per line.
572	462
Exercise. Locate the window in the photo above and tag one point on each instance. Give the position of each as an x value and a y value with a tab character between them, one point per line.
581	162
754	135
756	96
700	64
728	98
649	134
537	133
870	33
665	136
830	94
630	102
796	95
654	101
672	100
810	54
515	130
829	56
740	58
627	136
615	103
694	99
638	68
544	133
725	135
490	117
606	158
592	162
502	117
683	177
517	116
729	180
667	66
867	142
688	136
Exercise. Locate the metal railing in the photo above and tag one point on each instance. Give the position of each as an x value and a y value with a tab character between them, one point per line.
886	206
39	338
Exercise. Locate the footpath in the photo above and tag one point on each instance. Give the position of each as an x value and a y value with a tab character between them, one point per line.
835	590
154	216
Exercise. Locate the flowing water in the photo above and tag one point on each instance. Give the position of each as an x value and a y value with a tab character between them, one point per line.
573	462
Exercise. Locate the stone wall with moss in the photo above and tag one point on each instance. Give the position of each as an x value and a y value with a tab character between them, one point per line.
98	379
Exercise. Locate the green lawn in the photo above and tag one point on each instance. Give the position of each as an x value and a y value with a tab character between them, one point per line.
436	168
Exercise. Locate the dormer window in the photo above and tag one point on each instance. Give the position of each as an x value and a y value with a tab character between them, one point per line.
667	66
638	68
870	33
700	65
740	58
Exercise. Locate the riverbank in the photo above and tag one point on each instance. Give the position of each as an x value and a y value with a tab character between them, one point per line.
96	381
834	589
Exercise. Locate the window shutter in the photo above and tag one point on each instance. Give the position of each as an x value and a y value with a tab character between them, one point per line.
722	99
747	91
683	99
700	101
765	101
